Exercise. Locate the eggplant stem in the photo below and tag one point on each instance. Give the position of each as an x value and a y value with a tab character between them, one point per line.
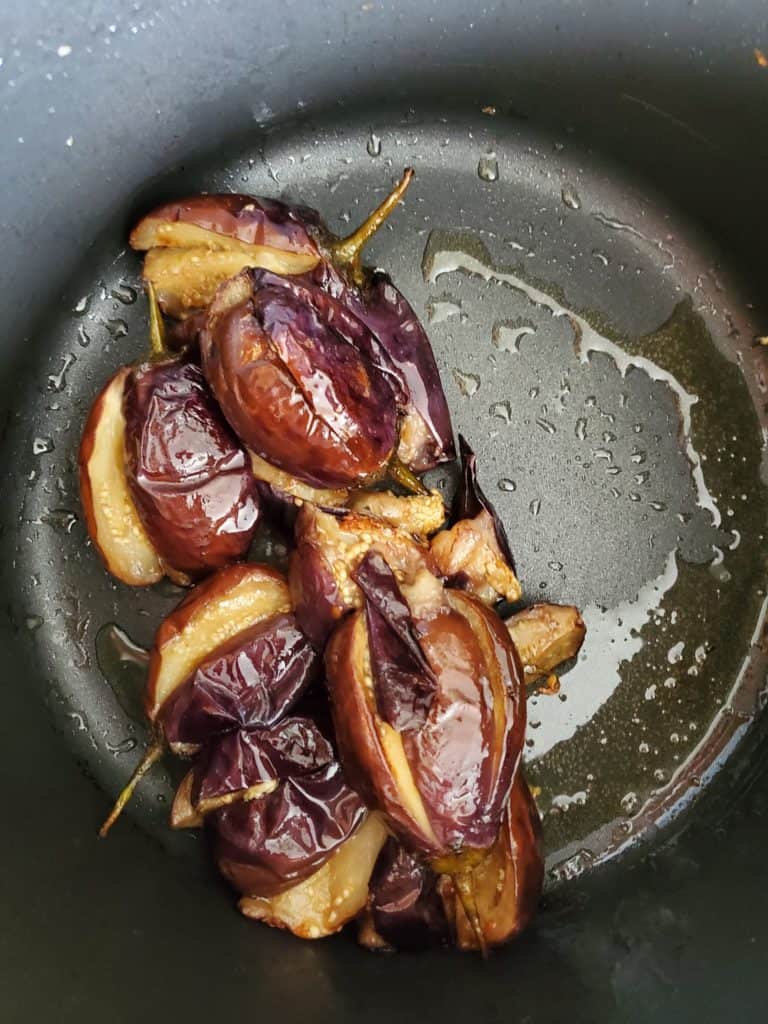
465	890
153	754
346	252
158	348
400	473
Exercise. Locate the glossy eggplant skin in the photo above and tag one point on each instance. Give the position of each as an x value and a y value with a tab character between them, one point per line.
288	365
443	777
266	845
507	884
188	475
426	435
238	760
252	220
249	682
405	910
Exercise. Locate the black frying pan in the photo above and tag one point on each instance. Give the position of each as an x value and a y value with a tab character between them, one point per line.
583	239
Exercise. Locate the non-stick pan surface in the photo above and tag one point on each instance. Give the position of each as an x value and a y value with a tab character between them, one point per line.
598	348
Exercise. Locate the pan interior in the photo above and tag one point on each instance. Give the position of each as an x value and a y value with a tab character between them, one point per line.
600	359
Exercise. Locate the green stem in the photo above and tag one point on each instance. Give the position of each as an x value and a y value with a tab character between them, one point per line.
153	754
346	252
400	473
465	889
157	346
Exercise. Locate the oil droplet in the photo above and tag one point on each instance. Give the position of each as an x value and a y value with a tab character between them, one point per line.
440	310
555	566
658	506
600	257
123	747
488	167
124	293
117	328
33	622
675	653
576	865
501	411
468	383
642	478
507	338
58	381
41	445
373	145
638	456
581	429
570	197
602	453
60	518
634	496
123	664
505	484
613	470
545	425
83	338
535	507
608	437
615	492
82	305
629	802
533	393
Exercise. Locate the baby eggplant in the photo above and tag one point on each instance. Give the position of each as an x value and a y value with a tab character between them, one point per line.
428	706
196	705
328	549
506	884
265	845
165	485
288	365
474	553
249	681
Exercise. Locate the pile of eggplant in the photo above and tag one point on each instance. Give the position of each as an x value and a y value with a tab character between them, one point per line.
354	730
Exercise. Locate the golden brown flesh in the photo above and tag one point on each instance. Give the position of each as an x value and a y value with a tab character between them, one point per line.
186	279
111	516
301	492
419	514
469	555
323	903
546	635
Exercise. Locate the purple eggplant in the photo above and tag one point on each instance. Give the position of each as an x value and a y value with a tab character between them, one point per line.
266	845
249	682
289	368
429	711
405	910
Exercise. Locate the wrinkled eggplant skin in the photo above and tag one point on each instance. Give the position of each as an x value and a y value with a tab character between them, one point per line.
188	475
249	682
405	350
470	500
404	905
293	748
256	221
264	846
404	682
288	368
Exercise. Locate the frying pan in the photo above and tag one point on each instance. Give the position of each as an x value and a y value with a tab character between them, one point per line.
584	239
